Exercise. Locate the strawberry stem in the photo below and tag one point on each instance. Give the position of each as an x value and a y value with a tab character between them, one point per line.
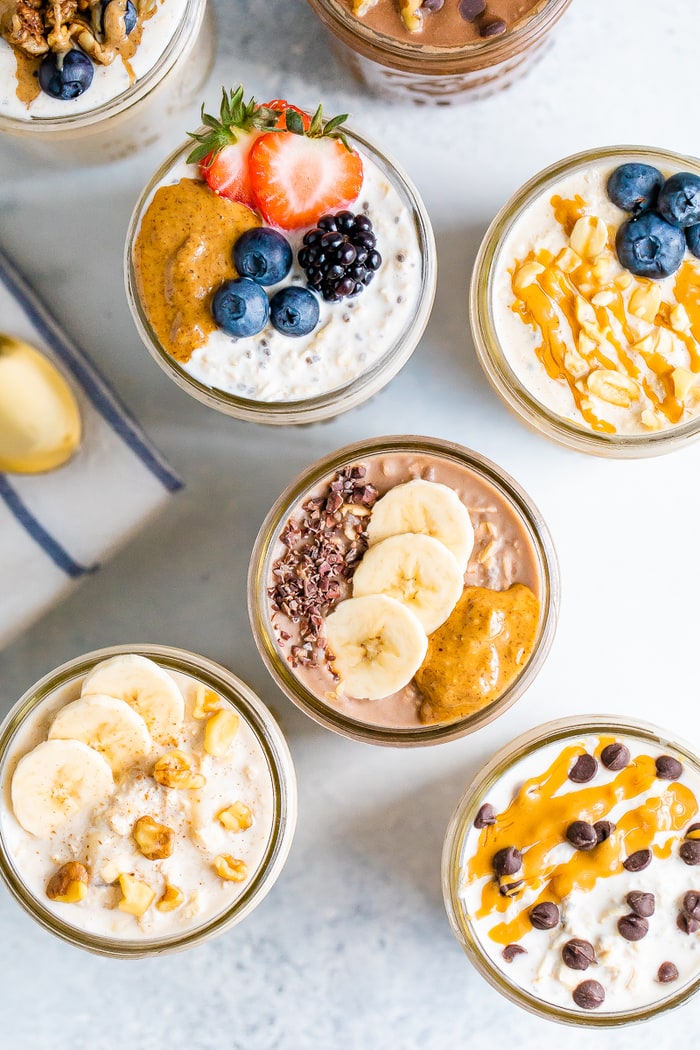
235	116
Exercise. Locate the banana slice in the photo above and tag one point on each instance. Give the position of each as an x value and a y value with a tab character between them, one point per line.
143	685
418	571
426	507
377	645
55	781
108	725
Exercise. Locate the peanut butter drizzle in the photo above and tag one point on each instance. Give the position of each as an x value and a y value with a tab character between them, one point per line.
549	305
536	822
181	255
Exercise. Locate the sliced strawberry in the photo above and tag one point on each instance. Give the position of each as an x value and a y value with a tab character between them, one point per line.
226	171
224	143
282	105
296	179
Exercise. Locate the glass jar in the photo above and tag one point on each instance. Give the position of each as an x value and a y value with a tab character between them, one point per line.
411	72
66	681
313	408
493	351
442	456
571	731
149	110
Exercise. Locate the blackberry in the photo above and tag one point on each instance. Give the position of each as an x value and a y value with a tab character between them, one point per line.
339	255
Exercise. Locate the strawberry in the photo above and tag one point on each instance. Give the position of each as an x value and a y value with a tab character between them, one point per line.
298	175
282	107
224	145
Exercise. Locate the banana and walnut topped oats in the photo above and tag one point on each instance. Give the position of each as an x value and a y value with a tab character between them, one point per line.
140	802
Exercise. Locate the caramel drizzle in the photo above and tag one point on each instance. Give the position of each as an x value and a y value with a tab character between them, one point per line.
553	296
536	822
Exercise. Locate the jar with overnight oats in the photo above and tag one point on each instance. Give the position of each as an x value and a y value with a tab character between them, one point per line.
108	80
148	801
584	302
319	327
570	871
403	591
434	53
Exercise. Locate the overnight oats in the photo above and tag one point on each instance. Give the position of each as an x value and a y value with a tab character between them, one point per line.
90	81
149	800
571	871
585	302
278	267
437	52
403	591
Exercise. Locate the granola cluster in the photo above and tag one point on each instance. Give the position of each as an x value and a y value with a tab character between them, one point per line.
37	27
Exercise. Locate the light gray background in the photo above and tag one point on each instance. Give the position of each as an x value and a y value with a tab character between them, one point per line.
351	950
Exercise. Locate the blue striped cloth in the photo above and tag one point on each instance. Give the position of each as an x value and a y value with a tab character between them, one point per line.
57	527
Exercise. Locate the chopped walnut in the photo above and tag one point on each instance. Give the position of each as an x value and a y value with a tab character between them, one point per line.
36	27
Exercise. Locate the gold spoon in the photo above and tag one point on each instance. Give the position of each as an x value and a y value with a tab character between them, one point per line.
40	425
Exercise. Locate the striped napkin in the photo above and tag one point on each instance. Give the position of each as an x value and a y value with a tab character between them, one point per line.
57	527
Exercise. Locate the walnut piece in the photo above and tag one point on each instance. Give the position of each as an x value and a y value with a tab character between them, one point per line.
69	884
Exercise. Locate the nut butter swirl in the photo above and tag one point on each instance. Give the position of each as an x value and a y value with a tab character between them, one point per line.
536	822
610	336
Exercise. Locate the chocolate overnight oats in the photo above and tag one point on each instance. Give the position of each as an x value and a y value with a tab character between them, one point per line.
403	591
439	51
571	871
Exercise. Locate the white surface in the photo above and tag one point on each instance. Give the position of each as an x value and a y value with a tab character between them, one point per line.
351	950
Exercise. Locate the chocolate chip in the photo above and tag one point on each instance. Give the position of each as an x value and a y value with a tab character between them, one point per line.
603	829
642	904
578	954
668	768
637	861
589	995
686	924
615	756
507	861
470	10
492	27
544	916
691	904
485	816
583	769
667	972
632	927
510	889
432	5
582	835
693	832
690	851
511	950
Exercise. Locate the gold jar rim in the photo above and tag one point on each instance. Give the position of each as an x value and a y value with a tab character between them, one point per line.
259	576
279	765
418	59
461	821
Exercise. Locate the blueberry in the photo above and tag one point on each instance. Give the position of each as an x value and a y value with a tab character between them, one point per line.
692	237
294	311
65	76
262	254
240	307
649	246
679	199
130	16
635	187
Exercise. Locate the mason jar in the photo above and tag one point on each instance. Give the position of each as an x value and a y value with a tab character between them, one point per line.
502	514
149	109
408	71
513	353
365	370
268	774
615	912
